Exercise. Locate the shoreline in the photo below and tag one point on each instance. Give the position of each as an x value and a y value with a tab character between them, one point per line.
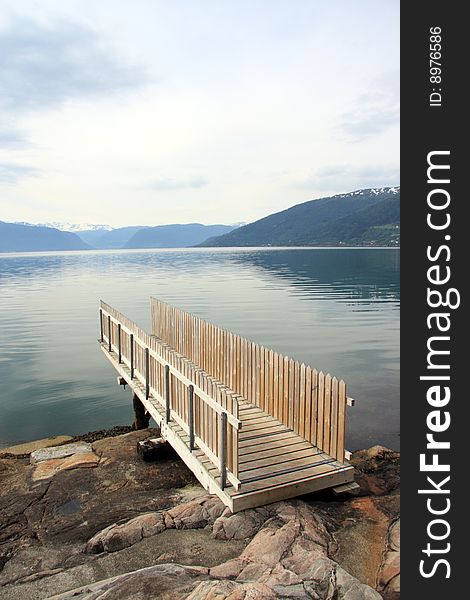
99	434
89	436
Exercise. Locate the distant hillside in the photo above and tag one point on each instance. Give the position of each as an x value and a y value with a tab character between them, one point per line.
116	238
90	236
30	238
175	236
368	217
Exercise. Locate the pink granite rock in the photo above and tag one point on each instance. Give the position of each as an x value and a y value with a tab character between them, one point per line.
48	468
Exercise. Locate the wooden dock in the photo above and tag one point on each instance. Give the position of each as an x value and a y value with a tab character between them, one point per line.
252	425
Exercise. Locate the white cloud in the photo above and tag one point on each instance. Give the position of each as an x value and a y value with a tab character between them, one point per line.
188	113
174	184
42	66
374	111
10	173
325	180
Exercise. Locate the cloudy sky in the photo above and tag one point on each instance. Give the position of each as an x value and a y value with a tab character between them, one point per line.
176	111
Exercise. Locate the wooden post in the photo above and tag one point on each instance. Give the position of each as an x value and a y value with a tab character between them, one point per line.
141	416
131	353
147	373
119	344
109	334
101	326
191	416
223	450
167	393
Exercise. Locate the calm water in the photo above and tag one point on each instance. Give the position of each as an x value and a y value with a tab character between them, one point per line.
336	309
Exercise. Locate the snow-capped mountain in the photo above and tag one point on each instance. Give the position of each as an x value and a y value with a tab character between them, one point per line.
366	217
78	226
239	224
74	227
369	191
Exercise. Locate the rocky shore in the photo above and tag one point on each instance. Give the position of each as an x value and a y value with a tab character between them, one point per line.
89	519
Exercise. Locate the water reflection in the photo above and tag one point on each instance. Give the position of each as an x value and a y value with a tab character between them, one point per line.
336	309
362	274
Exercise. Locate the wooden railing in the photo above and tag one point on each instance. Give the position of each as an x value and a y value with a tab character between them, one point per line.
202	406
311	403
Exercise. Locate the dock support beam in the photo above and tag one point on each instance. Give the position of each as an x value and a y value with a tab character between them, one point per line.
223	450
119	344
141	416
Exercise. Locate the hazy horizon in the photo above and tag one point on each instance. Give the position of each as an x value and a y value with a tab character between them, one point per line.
103	225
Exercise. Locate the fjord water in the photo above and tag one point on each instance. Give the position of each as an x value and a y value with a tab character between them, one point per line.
336	309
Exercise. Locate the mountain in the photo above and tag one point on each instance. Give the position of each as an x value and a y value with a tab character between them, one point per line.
15	237
74	227
91	236
78	227
115	238
369	217
175	236
87	232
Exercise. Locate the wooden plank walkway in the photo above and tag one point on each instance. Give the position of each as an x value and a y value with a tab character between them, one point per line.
311	403
236	449
275	463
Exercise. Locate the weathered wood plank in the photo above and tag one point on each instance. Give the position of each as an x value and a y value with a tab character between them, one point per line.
341	421
296	398
302	408
290	489
275	450
256	422
275	410
276	459
296	465
327	414
334	417
277	480
252	445
320	410
268	429
308	403
291	409
314	417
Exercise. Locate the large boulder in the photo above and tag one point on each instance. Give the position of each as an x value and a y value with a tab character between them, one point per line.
195	514
118	536
162	582
28	447
389	574
58	452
